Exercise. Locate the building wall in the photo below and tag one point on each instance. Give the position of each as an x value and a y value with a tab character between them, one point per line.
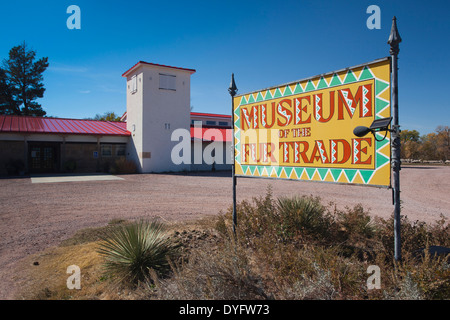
153	114
134	118
83	155
77	148
211	120
86	160
222	162
10	152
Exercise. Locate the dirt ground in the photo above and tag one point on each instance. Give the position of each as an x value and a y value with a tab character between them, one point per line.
37	216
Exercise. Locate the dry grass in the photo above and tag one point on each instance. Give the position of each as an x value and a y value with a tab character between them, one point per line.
43	276
46	277
285	249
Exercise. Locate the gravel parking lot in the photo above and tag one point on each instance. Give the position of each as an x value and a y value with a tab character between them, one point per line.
35	216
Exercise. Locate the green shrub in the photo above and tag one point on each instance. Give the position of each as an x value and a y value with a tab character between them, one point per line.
254	219
414	235
283	219
15	167
123	166
303	249
302	216
70	166
356	223
132	250
224	274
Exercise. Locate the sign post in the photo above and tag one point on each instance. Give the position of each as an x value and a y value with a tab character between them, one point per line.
300	130
232	90
393	41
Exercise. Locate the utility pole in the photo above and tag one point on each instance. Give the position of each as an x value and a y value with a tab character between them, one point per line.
232	90
394	41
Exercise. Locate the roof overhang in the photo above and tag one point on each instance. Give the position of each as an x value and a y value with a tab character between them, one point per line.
143	63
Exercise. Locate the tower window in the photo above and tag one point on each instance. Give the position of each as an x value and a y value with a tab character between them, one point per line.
167	82
133	84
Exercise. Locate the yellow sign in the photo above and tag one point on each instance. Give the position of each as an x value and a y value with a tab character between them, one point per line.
304	129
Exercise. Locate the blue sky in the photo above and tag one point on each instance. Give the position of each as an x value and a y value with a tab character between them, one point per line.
265	43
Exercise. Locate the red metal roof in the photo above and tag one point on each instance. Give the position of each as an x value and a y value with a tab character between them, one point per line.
22	124
211	134
26	124
158	65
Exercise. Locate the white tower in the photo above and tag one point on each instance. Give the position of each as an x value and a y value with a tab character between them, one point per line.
158	102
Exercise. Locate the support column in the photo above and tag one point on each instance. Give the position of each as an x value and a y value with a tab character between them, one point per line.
98	154
25	148
63	154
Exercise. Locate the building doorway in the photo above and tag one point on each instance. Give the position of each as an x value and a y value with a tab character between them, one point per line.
43	157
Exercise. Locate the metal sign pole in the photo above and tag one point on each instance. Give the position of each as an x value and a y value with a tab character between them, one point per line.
394	40
232	90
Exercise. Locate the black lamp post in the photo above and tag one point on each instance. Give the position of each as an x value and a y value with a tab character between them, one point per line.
232	90
394	41
383	125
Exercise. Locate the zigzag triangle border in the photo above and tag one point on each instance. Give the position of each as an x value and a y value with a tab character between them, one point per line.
350	174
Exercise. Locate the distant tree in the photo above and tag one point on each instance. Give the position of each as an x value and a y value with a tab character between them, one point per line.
410	144
443	143
410	150
107	116
428	146
21	82
409	135
432	146
436	145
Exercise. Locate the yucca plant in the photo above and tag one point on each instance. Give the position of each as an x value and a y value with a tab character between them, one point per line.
302	214
132	250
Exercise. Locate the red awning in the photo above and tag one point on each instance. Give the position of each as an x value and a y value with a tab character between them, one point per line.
214	115
211	134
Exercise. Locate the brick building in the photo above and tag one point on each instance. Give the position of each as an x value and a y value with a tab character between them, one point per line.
158	102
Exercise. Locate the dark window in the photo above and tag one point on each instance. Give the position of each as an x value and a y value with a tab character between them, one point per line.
120	150
106	150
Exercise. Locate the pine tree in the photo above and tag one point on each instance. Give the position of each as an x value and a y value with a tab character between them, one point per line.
21	82
7	104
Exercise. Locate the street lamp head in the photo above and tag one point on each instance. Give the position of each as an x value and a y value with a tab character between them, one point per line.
361	131
381	124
